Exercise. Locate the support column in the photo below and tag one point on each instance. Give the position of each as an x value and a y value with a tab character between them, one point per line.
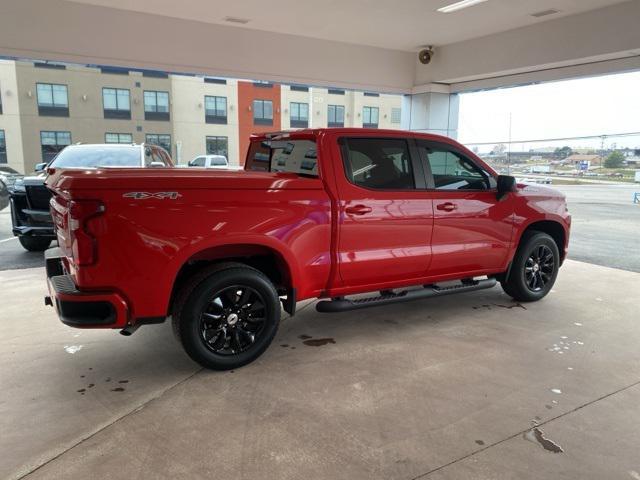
431	109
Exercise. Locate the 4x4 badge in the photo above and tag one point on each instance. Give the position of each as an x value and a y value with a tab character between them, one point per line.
158	195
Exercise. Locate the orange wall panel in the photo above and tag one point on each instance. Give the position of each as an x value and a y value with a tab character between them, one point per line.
247	93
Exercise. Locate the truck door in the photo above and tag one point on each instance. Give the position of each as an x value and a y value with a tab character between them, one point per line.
385	211
472	229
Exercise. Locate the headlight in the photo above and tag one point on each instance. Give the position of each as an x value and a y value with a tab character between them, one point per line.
18	185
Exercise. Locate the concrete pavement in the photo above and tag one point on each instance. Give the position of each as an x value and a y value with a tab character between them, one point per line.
443	388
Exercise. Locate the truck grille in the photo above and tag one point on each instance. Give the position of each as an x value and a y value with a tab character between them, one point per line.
38	197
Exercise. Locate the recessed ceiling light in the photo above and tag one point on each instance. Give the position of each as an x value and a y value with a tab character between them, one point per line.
454	7
242	21
544	13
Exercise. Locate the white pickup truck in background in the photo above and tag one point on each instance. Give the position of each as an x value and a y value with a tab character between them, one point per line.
212	161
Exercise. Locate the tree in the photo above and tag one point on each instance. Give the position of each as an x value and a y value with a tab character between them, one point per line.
499	149
614	160
562	153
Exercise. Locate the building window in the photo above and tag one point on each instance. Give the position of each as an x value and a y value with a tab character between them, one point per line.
335	91
3	147
215	109
56	66
53	100
371	94
154	74
163	140
262	112
299	115
335	116
116	103
52	143
218	146
263	84
156	105
114	70
0	103
370	117
219	81
118	138
299	88
396	115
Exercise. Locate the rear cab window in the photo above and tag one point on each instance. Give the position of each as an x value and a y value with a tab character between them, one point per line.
288	155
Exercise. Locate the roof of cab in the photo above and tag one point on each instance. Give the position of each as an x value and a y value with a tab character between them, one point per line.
374	132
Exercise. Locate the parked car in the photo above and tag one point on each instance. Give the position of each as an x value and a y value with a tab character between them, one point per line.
210	161
8	175
4	195
32	222
321	213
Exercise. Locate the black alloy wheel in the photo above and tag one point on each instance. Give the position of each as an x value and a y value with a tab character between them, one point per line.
539	268
534	268
233	319
226	315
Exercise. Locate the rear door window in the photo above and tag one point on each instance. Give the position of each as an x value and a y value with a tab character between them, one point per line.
379	163
218	162
286	155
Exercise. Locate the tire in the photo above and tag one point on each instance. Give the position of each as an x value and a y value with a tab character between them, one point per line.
34	244
534	268
226	316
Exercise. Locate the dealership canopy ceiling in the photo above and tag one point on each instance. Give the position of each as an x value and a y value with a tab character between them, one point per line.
395	24
365	44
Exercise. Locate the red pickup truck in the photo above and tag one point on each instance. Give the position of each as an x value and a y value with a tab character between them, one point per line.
318	213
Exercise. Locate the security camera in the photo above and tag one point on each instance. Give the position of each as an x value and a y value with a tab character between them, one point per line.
426	55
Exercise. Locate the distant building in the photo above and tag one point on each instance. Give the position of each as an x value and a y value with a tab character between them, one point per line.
576	159
47	106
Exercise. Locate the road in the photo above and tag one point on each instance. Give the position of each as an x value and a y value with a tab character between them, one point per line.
605	226
605	231
12	255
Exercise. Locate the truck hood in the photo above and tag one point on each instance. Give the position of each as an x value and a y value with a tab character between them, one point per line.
528	190
175	179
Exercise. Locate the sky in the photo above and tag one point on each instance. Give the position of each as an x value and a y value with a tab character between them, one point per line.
588	106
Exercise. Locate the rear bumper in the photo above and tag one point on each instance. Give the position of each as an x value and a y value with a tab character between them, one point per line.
81	309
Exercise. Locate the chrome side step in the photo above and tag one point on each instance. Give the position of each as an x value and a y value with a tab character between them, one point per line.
343	304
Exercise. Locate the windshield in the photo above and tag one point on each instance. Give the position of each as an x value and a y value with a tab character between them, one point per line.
99	156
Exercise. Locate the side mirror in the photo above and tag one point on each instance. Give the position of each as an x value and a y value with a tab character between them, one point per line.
190	164
40	167
506	184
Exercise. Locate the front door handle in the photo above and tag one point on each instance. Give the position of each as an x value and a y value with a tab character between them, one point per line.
447	207
358	210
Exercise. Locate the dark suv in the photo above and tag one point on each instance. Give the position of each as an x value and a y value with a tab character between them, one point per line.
32	222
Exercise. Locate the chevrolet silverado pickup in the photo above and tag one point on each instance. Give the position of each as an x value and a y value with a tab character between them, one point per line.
385	216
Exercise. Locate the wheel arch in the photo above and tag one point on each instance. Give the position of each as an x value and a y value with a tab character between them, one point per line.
276	264
553	228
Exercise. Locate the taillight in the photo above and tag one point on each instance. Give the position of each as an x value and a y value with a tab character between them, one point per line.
83	243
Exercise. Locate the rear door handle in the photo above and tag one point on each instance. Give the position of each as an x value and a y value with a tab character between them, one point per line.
358	210
447	207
